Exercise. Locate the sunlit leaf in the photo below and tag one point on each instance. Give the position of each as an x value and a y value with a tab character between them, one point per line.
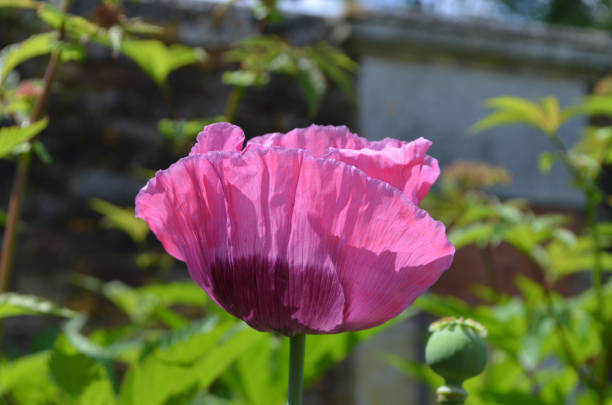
80	377
177	292
477	233
137	26
76	26
179	130
546	161
19	3
26	379
10	137
13	55
545	115
179	364
552	112
416	370
13	304
597	105
159	60
122	349
312	84
242	78
121	218
261	372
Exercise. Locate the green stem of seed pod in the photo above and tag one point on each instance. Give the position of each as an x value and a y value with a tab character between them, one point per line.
297	345
451	394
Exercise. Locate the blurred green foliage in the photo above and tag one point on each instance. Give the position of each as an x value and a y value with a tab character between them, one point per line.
546	348
174	346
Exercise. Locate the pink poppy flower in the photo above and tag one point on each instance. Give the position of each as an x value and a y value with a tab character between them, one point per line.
313	231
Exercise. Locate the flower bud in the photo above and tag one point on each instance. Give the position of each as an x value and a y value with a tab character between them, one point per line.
456	350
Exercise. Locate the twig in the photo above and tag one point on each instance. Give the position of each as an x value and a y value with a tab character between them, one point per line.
21	174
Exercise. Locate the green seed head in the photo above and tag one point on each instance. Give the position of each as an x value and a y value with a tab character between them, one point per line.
456	350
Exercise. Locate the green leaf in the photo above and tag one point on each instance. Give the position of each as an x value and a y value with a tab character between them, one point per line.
546	161
26	379
547	115
552	113
597	105
13	304
416	370
76	26
477	233
13	55
80	377
178	364
336	65
262	372
159	60
178	292
179	130
312	84
19	3
42	153
245	78
10	137
118	349
121	218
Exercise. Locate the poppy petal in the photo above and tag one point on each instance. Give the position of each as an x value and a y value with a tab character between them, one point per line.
218	136
403	165
295	244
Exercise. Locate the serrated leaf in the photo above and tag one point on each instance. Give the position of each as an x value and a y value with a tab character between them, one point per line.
121	218
13	304
10	137
159	60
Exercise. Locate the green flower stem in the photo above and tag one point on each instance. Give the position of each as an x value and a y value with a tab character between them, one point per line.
297	345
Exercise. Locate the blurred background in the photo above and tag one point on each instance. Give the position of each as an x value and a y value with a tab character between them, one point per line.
139	79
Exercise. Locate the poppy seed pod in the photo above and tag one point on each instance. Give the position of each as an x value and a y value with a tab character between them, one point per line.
456	350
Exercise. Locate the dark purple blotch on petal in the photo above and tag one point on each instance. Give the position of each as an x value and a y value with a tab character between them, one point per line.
275	296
